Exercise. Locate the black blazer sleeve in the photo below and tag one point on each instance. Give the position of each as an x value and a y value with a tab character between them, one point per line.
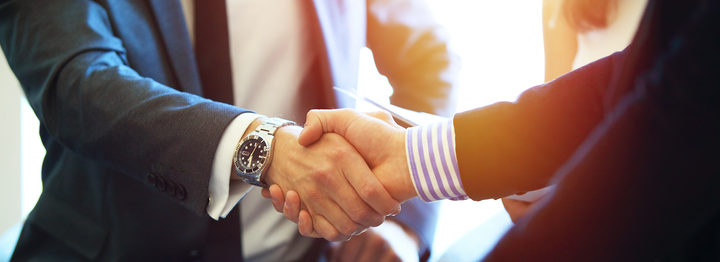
75	74
512	147
642	184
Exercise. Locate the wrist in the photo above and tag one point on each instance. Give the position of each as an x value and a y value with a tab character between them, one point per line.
254	152
285	138
408	188
255	123
398	181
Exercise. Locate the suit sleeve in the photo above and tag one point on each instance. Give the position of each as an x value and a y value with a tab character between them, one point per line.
77	80
643	186
512	147
412	51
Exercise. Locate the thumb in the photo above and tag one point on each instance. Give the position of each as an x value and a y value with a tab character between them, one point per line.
313	128
385	116
319	122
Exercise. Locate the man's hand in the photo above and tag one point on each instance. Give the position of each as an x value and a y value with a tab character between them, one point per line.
339	190
376	136
379	140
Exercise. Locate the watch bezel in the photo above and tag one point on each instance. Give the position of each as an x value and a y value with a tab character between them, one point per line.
264	132
247	174
248	168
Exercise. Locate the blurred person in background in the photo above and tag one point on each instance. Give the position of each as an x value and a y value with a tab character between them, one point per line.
577	32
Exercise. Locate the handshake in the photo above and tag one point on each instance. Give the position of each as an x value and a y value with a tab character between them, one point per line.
343	172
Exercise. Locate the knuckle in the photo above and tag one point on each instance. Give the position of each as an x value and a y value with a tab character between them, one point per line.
360	214
338	153
313	113
378	221
390	209
369	218
337	236
322	175
346	111
313	194
360	232
332	236
368	192
347	229
372	219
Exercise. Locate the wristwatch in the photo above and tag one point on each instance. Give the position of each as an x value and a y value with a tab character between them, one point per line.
253	153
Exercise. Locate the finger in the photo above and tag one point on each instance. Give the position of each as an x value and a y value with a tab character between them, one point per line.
385	116
349	205
334	215
335	198
292	206
327	230
318	122
305	225
265	193
313	128
277	196
370	190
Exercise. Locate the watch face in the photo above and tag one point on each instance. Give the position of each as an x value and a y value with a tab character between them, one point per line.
252	155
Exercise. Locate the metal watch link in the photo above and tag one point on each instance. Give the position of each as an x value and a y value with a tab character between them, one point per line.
253	153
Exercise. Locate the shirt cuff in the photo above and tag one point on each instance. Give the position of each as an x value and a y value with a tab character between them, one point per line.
433	163
225	192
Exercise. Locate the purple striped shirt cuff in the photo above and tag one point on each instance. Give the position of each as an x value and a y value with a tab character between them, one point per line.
432	162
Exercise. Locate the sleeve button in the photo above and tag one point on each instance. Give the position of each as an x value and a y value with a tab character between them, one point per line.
152	178
171	187
160	184
180	192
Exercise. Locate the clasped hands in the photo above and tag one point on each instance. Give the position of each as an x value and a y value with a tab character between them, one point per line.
343	172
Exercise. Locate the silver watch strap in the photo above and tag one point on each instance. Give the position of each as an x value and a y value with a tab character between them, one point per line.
270	125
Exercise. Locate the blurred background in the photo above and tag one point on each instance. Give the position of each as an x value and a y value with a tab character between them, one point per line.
501	47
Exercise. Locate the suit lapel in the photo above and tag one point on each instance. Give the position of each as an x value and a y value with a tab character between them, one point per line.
171	24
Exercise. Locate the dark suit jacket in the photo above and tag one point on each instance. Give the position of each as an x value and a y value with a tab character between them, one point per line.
129	138
632	140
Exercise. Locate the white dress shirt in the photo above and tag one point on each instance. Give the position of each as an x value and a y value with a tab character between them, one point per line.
270	49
